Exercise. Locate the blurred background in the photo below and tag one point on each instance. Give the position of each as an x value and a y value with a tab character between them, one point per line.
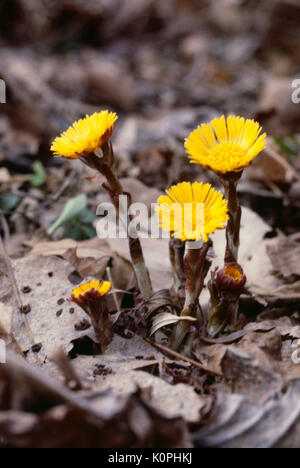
164	66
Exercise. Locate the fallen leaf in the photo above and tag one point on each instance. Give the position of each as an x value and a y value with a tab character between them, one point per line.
170	400
165	318
237	421
48	285
63	248
6	316
250	375
42	413
284	254
283	325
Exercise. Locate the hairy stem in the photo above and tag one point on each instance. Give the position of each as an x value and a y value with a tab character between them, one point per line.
102	325
196	268
176	252
221	314
115	190
233	225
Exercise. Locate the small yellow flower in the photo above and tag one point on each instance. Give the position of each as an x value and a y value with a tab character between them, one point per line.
91	290
230	278
89	296
85	136
225	145
234	271
192	211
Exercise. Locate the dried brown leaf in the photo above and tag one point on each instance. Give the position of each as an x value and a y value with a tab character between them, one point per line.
53	417
165	318
236	421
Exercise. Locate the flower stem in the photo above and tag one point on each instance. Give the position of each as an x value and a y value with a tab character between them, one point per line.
105	167
176	252
196	268
102	325
141	272
233	225
221	313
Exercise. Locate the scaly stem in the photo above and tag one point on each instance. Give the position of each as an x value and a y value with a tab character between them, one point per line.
224	301
139	266
221	313
102	325
105	167
196	268
176	252
233	225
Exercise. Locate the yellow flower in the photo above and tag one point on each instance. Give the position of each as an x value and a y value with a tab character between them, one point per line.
233	271
85	136
89	297
91	290
230	278
192	211
225	145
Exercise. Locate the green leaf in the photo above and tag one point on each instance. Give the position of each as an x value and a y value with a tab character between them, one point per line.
79	232
72	208
8	201
288	145
89	230
39	177
87	217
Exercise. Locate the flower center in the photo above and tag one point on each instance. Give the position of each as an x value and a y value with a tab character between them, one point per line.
227	151
234	272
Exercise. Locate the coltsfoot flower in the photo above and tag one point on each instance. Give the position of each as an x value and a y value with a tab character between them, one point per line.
225	145
90	292
90	297
85	136
231	278
225	288
192	211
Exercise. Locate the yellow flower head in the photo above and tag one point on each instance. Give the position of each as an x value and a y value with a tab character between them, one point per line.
90	291
230	278
85	136
234	271
225	145
192	211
